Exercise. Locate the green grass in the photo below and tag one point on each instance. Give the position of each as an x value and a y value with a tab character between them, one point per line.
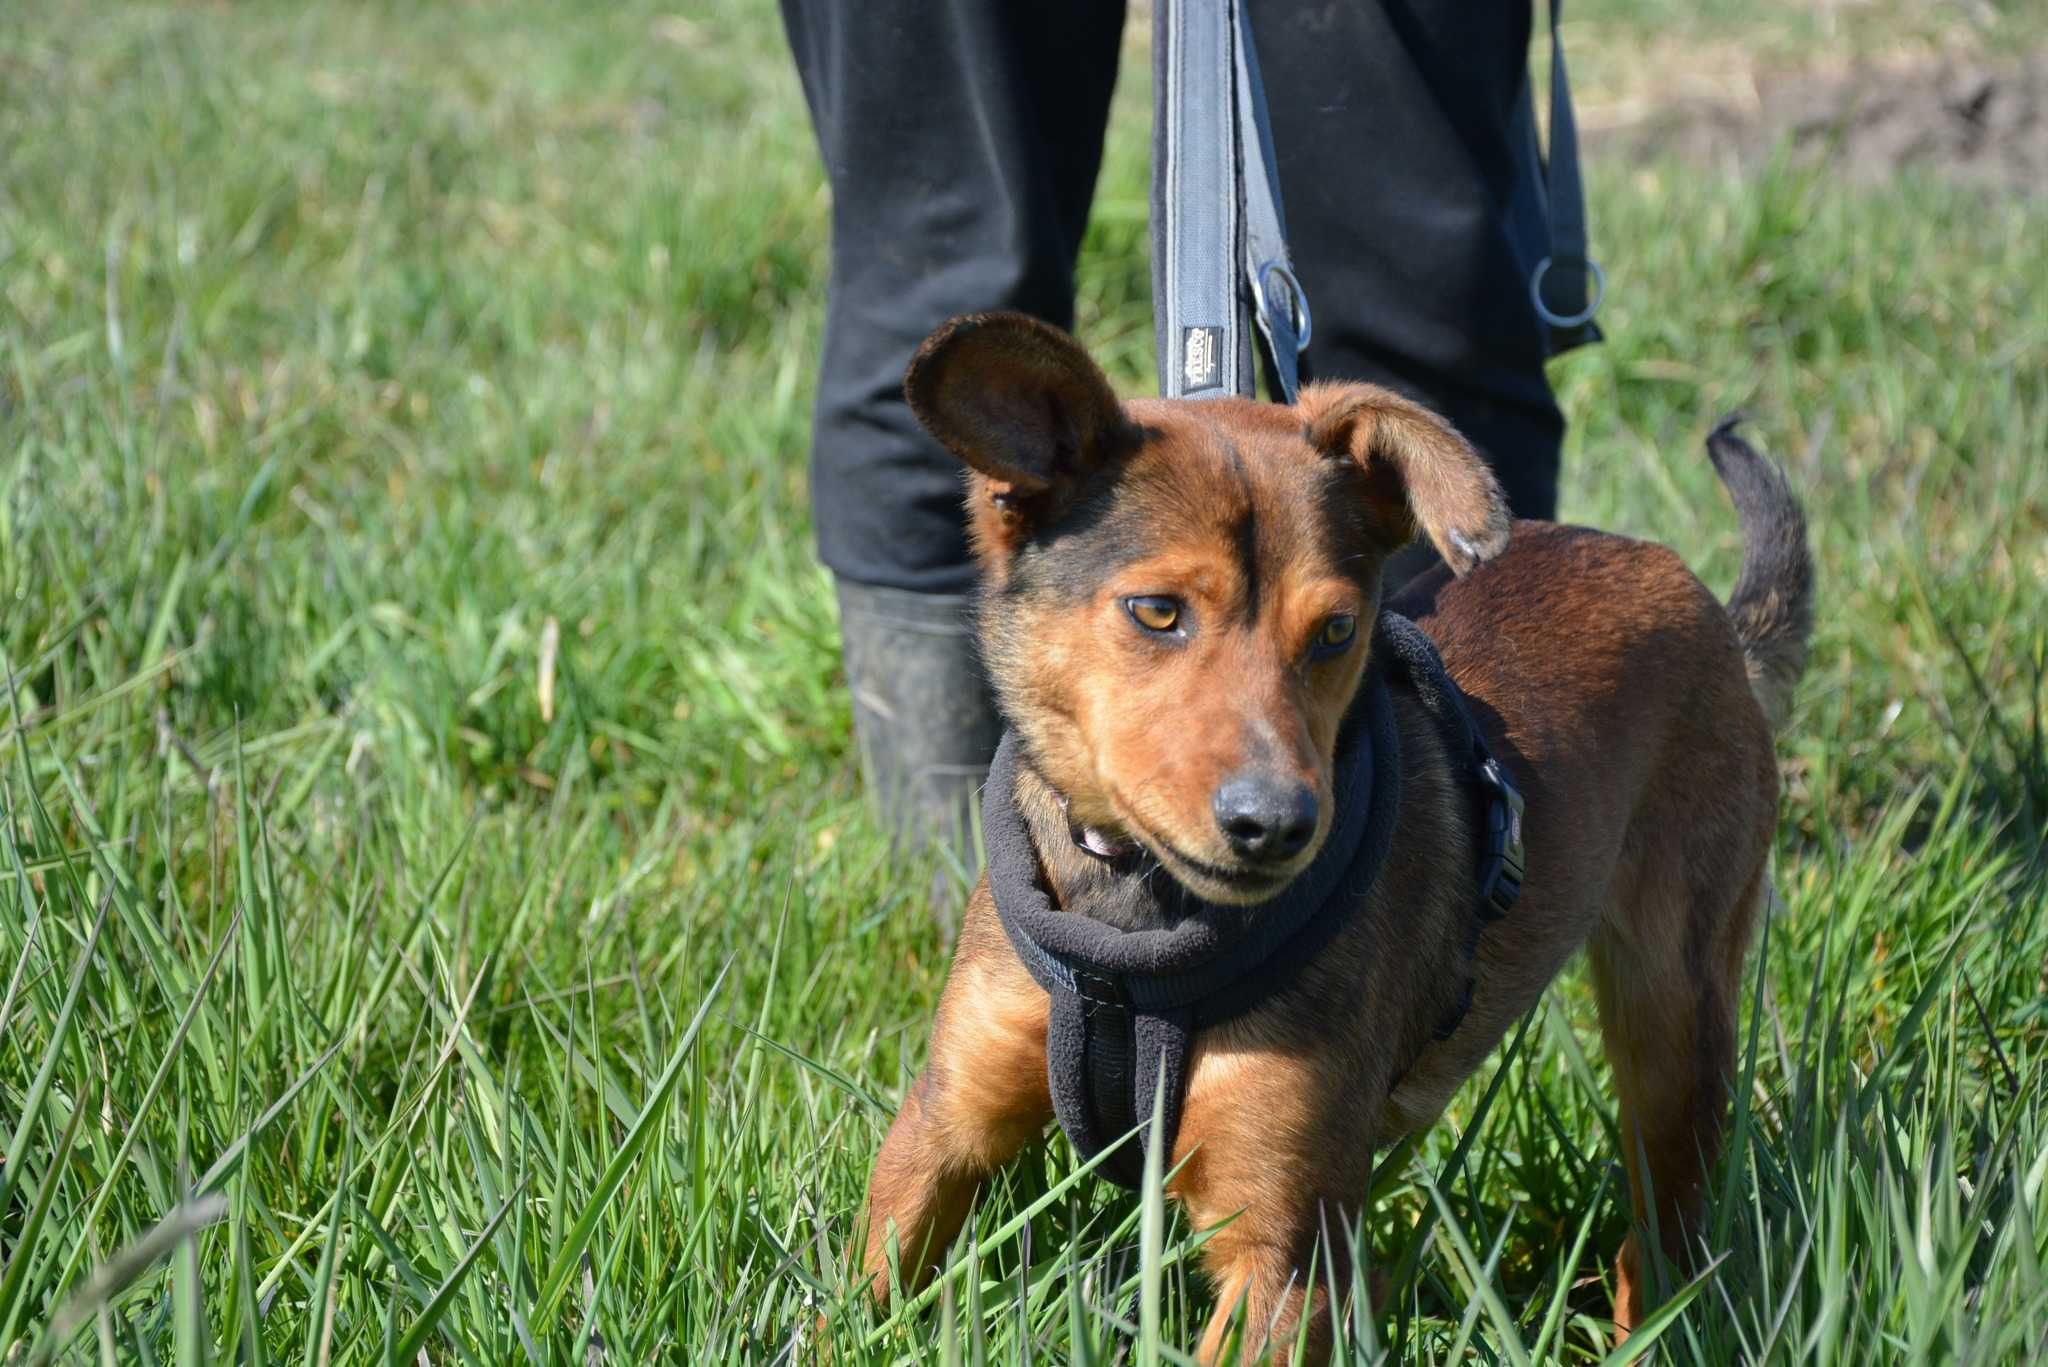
363	993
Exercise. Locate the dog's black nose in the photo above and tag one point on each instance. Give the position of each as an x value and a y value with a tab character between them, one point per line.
1266	817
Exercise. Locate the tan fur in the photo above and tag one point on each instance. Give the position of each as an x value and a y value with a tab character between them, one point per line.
1607	679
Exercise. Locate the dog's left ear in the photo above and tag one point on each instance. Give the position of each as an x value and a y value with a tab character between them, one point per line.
1418	469
1017	399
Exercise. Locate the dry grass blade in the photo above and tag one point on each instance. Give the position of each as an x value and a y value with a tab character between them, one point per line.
117	1273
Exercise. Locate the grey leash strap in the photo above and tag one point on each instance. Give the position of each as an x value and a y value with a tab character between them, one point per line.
1567	285
1219	251
1278	304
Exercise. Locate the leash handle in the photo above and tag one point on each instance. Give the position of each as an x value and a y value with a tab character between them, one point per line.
1219	243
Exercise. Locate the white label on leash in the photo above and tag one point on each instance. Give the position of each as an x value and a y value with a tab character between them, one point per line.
1200	359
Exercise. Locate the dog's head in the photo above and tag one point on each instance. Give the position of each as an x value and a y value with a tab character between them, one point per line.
1178	596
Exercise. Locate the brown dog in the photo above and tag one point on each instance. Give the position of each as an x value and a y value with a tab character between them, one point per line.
1176	599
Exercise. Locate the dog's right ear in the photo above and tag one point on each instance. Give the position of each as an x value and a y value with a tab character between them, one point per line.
1019	401
1418	470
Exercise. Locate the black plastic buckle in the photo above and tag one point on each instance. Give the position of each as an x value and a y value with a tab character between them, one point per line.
1502	865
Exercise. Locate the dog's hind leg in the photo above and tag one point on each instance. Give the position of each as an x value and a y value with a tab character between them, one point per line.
1668	976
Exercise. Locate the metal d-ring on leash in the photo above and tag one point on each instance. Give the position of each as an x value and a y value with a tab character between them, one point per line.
1219	241
1569	321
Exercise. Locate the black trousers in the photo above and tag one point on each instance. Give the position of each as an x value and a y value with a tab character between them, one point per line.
962	140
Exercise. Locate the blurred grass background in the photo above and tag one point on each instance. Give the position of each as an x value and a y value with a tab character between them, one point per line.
436	910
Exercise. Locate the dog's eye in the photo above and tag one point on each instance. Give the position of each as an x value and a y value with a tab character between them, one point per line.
1154	613
1336	634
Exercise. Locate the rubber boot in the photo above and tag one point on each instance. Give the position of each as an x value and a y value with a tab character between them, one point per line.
922	713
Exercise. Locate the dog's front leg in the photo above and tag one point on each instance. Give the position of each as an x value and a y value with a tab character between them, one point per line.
1283	1286
981	1098
1269	1150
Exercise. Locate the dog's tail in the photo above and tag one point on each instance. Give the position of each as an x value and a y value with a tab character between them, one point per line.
1773	600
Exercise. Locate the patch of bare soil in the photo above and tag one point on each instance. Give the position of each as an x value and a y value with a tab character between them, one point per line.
1969	121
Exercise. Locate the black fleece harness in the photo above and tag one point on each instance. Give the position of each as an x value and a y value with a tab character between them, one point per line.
1126	1003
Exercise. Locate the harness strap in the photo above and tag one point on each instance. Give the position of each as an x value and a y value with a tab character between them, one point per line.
1219	249
1502	859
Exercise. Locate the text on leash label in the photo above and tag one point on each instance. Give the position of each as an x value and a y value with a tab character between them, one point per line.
1200	358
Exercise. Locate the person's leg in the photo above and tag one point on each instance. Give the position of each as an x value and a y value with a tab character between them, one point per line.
961	139
1415	213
